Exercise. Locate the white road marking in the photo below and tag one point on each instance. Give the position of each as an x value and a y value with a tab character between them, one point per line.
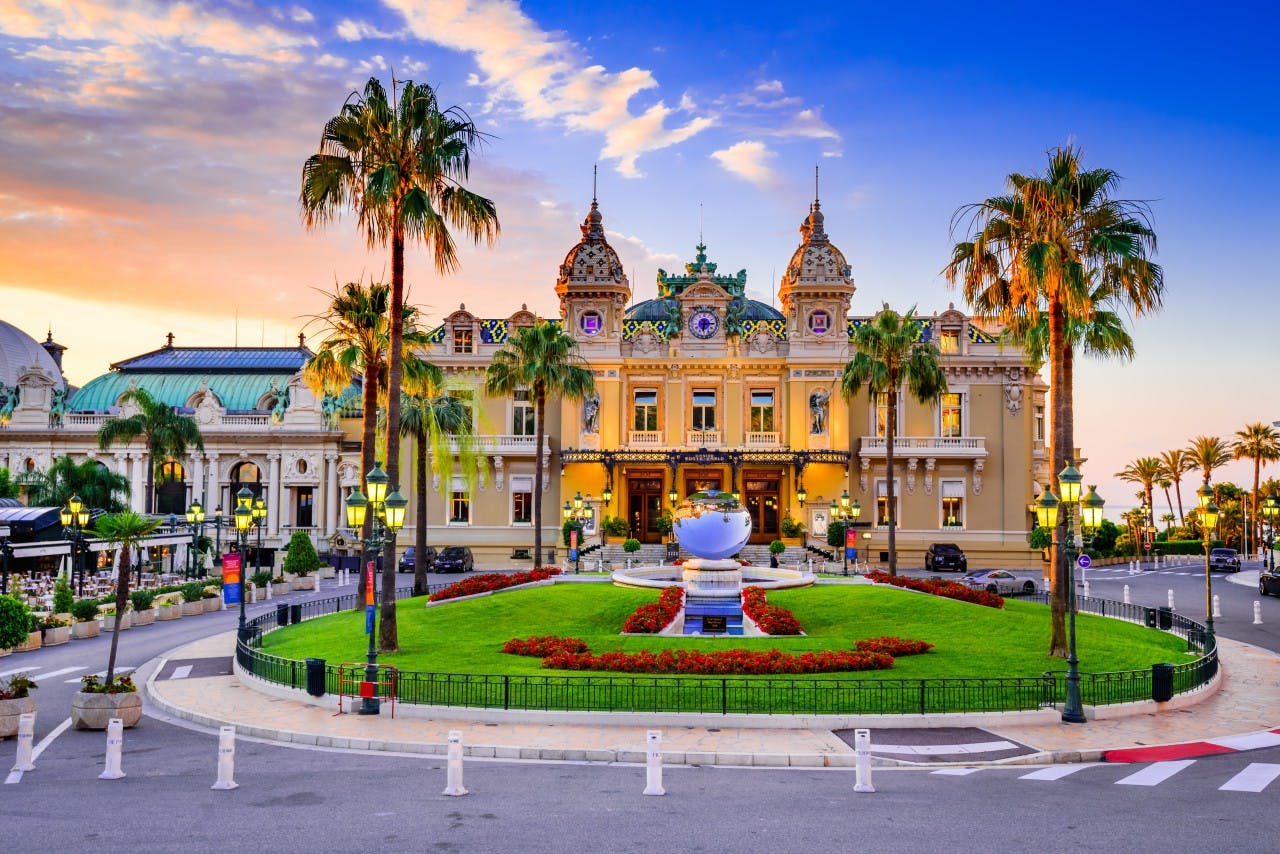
944	749
181	672
1248	742
19	670
1155	773
1057	772
1256	777
48	739
61	672
956	772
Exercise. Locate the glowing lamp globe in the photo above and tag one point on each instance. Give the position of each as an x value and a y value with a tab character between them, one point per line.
712	525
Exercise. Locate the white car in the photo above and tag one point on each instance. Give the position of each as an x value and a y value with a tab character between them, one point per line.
999	581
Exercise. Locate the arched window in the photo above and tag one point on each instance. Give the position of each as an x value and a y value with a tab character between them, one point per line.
244	474
171	488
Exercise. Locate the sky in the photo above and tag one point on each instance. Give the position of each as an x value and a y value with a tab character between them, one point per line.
150	158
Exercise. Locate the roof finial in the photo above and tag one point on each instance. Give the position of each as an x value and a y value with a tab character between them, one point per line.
815	185
595	176
302	339
169	339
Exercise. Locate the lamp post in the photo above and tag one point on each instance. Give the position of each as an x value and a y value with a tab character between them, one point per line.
217	527
259	508
576	512
244	521
388	517
1208	522
1089	512
6	555
1271	511
195	518
74	518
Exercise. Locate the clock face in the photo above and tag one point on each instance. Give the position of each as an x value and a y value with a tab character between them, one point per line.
703	323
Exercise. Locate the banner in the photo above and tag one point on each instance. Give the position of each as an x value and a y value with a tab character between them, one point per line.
368	598
850	544
231	579
573	545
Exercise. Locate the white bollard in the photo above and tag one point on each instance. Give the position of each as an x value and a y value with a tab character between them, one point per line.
653	764
1126	594
226	759
115	745
1047	586
862	761
1257	612
26	741
1171	608
268	591
453	782
1086	590
1217	610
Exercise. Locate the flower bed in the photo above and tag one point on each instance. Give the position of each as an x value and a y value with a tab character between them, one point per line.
771	619
490	582
729	662
937	587
651	619
897	647
544	645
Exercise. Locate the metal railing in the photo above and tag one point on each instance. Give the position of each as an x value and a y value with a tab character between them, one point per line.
744	695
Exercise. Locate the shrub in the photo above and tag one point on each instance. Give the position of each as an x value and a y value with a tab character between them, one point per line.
1040	538
14	622
119	685
777	547
541	647
653	618
938	587
193	592
835	534
84	610
614	526
663	523
490	582
62	596
18	685
142	599
631	545
572	525
791	528
897	647
261	578
301	557
729	662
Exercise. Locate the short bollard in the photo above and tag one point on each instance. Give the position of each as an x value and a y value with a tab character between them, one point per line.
226	759
1047	585
268	591
1217	609
26	741
862	761
1171	608
115	745
653	763
1126	594
453	782
1086	590
1257	612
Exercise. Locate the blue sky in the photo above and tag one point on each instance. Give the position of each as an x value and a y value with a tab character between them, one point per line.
149	160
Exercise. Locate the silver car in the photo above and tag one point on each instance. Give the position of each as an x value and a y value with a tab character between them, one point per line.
999	581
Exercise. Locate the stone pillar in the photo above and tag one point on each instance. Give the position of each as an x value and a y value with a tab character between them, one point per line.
215	485
138	481
332	496
273	495
197	480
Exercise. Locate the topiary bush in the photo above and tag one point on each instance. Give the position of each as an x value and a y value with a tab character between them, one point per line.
567	527
62	596
777	547
631	545
301	557
835	534
15	618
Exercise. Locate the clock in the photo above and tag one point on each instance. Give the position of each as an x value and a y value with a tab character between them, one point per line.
703	323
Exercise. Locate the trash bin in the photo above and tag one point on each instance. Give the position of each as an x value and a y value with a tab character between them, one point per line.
282	614
1150	614
551	558
315	677
1165	615
1162	682
295	613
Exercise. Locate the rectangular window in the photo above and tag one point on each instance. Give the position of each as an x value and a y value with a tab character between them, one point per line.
882	503
302	511
462	341
521	500
1039	425
882	413
949	341
459	503
645	411
522	414
952	425
762	412
953	504
704	409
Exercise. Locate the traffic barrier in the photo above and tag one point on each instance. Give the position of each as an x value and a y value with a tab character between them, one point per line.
453	781
115	746
862	761
1126	594
1257	612
268	589
226	759
26	741
653	764
1086	590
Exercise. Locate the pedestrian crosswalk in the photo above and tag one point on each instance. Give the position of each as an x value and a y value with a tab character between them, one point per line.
37	672
1255	777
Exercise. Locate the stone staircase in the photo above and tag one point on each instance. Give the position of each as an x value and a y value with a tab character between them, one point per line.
651	554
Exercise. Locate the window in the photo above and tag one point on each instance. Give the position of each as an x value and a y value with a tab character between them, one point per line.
522	414
953	504
819	322
704	409
521	500
952	420
303	506
462	341
949	341
882	412
762	412
645	411
460	504
590	322
1039	425
882	502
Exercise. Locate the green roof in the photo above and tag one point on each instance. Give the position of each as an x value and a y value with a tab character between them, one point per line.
236	391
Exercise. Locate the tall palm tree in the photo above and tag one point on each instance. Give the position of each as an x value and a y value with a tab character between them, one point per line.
1177	462
1208	453
399	166
95	484
888	355
1260	443
1044	249
166	434
126	530
545	360
1144	471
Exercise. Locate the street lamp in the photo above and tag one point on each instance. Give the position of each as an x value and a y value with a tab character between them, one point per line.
802	496
217	527
607	495
388	517
1208	522
74	518
244	521
259	509
195	518
672	495
576	512
1270	512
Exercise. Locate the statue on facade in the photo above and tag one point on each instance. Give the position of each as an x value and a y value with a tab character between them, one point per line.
329	410
58	406
733	318
819	403
591	413
8	400
281	404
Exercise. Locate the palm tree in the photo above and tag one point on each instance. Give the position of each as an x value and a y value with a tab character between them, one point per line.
1144	471
95	484
1164	483
889	354
1045	249
166	434
1177	462
1261	443
1208	453
399	166
126	530
545	360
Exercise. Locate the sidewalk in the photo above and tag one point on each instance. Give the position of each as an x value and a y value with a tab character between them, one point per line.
1245	704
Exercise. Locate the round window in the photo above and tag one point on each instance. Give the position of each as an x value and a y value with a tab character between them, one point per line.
819	321
590	322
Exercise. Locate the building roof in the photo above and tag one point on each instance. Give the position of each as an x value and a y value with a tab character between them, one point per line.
19	350
659	309
236	391
218	359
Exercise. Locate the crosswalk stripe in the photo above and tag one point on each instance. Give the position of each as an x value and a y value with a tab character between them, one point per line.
1256	777
956	772
1056	772
19	670
60	672
102	674
1155	773
181	672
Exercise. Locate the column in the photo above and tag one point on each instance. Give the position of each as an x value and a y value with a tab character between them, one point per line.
215	485
138	481
332	496
197	479
273	495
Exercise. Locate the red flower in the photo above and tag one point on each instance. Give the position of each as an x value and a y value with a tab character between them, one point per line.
771	619
489	582
938	587
651	619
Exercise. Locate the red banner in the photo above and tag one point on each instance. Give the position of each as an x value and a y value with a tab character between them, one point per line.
368	583
231	568
850	538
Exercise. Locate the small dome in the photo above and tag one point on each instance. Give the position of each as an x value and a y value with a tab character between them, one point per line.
592	259
18	350
816	260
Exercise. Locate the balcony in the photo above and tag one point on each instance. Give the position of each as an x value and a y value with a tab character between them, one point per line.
505	444
93	420
645	438
702	438
943	447
763	440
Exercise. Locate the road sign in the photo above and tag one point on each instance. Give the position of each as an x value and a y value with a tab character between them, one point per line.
1146	544
1083	561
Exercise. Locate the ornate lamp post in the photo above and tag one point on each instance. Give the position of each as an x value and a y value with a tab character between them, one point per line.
195	518
1271	511
217	527
74	518
576	512
244	521
672	495
388	518
1208	523
259	508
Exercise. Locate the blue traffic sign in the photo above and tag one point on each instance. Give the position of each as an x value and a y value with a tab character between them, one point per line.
1083	561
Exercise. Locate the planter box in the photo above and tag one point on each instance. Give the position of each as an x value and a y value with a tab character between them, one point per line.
192	609
144	618
168	612
6	651
303	582
279	589
95	711
212	604
32	644
9	712
109	622
797	542
57	635
87	629
250	594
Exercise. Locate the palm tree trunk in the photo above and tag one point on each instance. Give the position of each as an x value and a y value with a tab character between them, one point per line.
540	404
1254	525
1062	451
890	431
388	637
368	423
1177	489
151	482
122	601
420	519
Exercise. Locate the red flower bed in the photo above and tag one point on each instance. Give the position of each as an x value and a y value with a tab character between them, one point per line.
541	647
729	662
937	587
897	647
771	619
651	619
491	581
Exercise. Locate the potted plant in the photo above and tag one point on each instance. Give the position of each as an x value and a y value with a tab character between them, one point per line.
85	614
55	629
301	560
212	597
109	621
279	585
193	599
143	602
261	579
631	546
15	621
169	606
33	640
98	701
776	548
792	532
663	524
615	529
15	701
63	599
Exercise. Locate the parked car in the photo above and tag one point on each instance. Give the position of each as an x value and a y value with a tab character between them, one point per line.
1269	582
940	556
455	559
1227	560
999	581
409	560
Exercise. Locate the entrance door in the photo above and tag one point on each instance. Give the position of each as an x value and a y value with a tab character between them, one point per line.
762	499
644	506
701	481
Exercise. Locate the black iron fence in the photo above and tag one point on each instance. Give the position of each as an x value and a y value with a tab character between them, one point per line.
742	695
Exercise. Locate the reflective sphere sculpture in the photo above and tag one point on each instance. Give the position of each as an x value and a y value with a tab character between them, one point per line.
712	525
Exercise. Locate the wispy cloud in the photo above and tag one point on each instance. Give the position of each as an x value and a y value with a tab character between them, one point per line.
748	160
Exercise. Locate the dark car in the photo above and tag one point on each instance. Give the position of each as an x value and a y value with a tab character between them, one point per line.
455	559
1227	560
409	560
1269	582
940	556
